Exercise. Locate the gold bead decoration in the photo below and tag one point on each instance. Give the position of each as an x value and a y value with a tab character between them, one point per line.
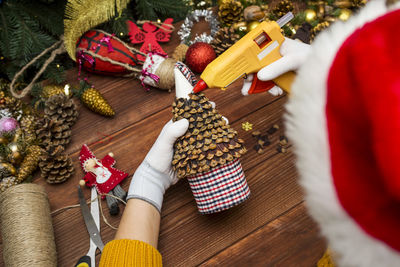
310	15
345	14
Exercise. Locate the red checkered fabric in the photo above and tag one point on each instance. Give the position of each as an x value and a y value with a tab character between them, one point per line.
220	189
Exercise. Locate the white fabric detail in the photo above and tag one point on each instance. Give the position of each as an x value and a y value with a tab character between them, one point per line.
182	86
151	68
306	128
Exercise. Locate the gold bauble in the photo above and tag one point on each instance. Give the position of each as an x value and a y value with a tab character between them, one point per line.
252	25
344	14
342	3
9	167
251	13
15	158
3	140
240	26
310	15
13	147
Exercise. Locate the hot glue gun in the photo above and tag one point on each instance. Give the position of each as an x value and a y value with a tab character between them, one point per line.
255	50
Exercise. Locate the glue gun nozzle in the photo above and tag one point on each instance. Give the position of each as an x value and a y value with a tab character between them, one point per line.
200	86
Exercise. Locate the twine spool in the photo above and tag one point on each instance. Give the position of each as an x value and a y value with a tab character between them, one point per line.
180	52
26	227
161	67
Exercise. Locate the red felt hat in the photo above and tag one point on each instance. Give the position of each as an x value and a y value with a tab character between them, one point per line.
344	120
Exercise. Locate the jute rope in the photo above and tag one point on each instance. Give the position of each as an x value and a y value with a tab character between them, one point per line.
26	227
25	91
166	73
170	28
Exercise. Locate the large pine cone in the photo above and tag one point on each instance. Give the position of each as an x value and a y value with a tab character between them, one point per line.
282	8
56	169
61	108
223	39
53	135
209	141
229	11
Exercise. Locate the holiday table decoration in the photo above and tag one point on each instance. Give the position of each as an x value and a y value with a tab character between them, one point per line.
102	175
199	55
208	154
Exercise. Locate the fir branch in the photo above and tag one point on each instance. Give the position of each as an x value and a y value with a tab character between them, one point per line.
161	9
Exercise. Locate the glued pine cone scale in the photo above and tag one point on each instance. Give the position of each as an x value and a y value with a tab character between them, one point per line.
209	141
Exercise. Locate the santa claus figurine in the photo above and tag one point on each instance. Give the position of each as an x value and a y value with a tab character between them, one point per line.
102	175
343	117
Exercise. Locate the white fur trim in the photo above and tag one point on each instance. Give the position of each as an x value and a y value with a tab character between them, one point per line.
306	127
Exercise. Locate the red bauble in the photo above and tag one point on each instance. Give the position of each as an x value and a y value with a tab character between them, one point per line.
199	55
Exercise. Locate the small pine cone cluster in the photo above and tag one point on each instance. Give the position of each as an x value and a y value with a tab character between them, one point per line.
318	28
230	11
61	108
282	8
209	141
56	169
223	39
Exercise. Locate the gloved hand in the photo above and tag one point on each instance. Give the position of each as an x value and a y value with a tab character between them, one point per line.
294	54
155	174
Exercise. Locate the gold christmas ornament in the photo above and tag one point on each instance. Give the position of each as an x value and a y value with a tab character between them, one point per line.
7	169
30	162
282	8
240	26
94	100
252	25
229	11
342	4
310	15
344	14
253	13
50	90
3	140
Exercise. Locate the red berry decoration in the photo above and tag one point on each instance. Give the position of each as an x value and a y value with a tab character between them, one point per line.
199	55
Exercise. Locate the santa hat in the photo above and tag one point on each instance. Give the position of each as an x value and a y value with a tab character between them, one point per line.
344	120
222	187
84	155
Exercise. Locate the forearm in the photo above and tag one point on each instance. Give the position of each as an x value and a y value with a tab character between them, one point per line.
140	221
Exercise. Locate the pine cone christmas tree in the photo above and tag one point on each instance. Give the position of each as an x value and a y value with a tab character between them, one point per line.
61	108
229	11
30	163
53	134
209	142
56	169
94	100
282	8
223	39
208	154
28	125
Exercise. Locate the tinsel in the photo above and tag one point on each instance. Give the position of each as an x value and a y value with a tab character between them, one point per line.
186	28
83	15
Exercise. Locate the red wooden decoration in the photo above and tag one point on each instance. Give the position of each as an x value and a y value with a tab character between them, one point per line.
150	36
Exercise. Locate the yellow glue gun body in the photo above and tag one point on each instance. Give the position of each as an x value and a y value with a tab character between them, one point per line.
255	50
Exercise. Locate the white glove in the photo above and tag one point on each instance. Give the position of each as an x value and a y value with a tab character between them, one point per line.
155	174
294	54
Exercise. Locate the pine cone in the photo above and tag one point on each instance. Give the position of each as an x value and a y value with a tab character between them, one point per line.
28	125
318	28
53	135
56	169
30	163
209	141
223	39
282	8
7	182
61	108
229	11
13	104
93	99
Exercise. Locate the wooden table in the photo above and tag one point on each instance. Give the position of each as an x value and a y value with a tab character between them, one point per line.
272	228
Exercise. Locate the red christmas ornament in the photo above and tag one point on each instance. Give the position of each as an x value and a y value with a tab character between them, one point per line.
199	55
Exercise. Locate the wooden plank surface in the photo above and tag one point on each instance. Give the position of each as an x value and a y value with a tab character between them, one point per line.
272	228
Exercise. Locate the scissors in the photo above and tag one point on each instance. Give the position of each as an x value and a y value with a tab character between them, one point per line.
92	221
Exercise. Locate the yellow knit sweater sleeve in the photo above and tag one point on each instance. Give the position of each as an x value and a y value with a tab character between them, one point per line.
129	253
